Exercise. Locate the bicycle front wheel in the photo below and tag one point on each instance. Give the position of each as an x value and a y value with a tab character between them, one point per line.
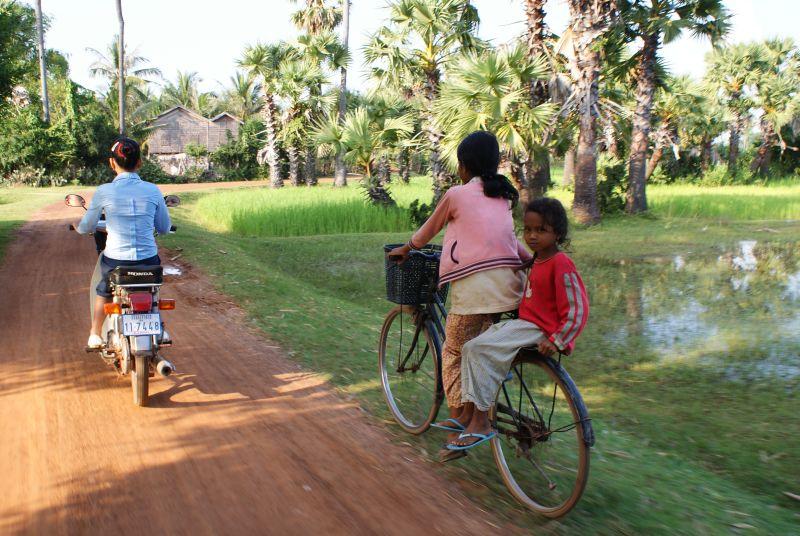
544	436
409	359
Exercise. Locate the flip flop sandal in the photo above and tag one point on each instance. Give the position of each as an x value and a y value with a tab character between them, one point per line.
482	438
457	426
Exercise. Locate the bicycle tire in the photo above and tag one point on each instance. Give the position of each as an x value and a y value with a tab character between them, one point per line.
583	440
413	407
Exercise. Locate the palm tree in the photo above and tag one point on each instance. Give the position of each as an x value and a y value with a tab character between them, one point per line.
340	172
730	74
363	139
42	66
263	63
316	17
422	35
121	67
675	102
657	22
491	91
537	170
590	20
138	75
241	98
777	96
184	91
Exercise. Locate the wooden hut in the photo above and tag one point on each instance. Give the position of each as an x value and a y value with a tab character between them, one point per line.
174	129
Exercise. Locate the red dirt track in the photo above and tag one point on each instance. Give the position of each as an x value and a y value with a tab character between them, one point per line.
239	441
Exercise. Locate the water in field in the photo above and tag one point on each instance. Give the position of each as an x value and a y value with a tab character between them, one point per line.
736	311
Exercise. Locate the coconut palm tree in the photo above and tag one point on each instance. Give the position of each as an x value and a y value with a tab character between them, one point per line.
263	63
777	96
655	23
137	72
590	21
491	91
121	67
424	34
183	91
363	139
42	65
730	74
242	97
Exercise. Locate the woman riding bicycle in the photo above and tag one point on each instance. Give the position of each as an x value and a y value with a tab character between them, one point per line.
135	211
479	258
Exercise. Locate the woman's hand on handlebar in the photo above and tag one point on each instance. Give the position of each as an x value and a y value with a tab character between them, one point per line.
399	254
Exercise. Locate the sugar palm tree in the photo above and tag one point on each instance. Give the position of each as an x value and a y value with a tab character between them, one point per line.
316	17
363	139
340	169
777	95
590	21
730	74
655	23
42	64
491	91
263	63
425	33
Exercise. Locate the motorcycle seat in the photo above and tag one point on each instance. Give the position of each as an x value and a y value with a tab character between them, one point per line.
136	275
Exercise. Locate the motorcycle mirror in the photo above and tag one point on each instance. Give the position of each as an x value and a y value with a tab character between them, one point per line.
75	200
172	200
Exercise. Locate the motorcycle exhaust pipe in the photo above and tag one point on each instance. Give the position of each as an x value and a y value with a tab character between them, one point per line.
164	367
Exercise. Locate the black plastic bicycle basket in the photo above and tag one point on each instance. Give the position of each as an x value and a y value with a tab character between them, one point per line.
412	282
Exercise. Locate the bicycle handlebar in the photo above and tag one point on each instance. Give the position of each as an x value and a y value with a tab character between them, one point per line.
414	252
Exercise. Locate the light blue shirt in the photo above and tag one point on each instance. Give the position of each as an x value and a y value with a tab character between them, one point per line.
135	211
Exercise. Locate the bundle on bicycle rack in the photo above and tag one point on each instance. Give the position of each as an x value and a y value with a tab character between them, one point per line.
412	282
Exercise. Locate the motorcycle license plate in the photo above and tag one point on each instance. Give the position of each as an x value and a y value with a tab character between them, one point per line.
136	325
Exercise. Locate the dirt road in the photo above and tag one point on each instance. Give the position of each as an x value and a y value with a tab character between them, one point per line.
240	441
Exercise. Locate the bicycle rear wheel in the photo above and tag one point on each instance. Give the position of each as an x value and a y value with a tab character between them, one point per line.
544	436
408	356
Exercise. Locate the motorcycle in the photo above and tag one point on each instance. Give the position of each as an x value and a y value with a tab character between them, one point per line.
133	331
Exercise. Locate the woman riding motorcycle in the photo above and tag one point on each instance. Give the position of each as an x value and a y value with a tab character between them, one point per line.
135	211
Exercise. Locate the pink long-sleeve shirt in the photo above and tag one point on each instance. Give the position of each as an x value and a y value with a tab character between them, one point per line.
479	235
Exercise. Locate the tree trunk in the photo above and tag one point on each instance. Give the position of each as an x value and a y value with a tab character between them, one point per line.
270	115
733	142
658	152
537	170
121	69
590	20
293	154
442	180
569	168
705	154
636	198
763	156
42	63
340	169
518	170
404	165
310	167
384	171
609	136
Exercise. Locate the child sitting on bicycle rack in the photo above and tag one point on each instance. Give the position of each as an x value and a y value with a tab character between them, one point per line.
481	256
552	314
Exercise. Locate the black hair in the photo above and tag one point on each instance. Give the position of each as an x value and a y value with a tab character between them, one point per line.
126	153
555	215
479	153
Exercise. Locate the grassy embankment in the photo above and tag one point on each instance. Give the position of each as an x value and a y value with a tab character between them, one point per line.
694	434
17	205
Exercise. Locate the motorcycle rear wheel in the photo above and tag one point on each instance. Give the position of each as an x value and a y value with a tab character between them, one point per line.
139	380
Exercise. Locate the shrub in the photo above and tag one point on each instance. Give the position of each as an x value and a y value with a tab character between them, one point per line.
151	171
612	181
31	176
195	150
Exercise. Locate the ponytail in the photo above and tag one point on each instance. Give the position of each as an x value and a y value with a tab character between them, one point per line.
496	185
480	154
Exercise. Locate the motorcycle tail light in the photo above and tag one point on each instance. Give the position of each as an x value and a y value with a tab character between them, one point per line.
141	302
166	305
112	309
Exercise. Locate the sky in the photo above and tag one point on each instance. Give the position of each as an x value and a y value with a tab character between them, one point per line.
208	37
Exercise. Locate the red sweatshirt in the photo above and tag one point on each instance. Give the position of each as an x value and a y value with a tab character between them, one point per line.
555	300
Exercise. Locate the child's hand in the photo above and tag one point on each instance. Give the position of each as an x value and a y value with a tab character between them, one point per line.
399	254
547	348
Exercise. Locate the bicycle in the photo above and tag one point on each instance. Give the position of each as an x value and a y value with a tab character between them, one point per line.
544	430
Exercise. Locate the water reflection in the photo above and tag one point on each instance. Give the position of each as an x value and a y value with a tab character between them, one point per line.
739	315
